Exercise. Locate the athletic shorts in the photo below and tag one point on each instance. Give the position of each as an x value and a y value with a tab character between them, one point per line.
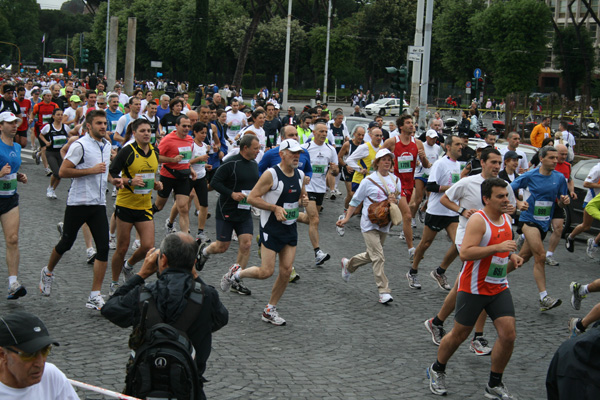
8	203
278	242
22	133
558	213
355	186
316	197
534	225
132	216
438	222
469	306
346	176
210	174
200	187
424	180
180	186
408	194
42	144
226	228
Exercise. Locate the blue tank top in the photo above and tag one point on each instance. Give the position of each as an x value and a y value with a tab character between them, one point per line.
10	155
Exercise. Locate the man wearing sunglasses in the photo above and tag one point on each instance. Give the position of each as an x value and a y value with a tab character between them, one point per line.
24	373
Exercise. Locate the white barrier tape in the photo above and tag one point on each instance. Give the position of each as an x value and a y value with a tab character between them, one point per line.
97	389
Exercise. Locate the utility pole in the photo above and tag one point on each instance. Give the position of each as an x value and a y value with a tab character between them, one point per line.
286	67
327	53
425	65
416	72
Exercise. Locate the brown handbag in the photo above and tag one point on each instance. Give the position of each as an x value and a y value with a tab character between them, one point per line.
379	212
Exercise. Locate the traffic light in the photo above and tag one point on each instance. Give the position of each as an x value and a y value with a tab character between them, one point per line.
399	78
85	55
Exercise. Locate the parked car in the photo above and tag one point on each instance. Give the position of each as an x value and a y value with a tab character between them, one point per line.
353	122
387	106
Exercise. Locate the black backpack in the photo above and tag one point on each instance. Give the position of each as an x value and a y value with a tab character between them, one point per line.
162	363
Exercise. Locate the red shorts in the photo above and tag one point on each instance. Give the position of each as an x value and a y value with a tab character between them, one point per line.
407	193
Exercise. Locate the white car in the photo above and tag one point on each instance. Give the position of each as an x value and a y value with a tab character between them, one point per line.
387	106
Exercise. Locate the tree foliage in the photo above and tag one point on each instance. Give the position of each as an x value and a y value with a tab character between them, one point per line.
23	13
572	55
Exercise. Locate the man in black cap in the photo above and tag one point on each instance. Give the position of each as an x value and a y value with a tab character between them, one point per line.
24	373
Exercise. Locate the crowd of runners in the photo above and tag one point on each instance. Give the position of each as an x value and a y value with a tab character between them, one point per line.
140	150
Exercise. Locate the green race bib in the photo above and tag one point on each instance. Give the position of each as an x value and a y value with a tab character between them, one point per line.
148	184
497	271
319	169
542	210
455	178
292	211
8	185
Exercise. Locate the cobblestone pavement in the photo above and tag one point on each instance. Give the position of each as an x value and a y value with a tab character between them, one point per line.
339	342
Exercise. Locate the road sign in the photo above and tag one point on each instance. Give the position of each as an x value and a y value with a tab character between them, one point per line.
416	49
48	60
414	57
155	64
477	73
468	90
468	84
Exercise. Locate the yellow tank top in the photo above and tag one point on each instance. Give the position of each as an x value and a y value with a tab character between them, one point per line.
368	161
137	197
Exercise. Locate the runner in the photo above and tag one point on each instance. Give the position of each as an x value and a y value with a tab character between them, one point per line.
432	153
545	186
279	193
486	250
85	162
54	136
25	109
234	180
444	173
10	161
137	163
592	183
337	135
323	157
347	171
200	186
379	186
42	113
156	129
236	121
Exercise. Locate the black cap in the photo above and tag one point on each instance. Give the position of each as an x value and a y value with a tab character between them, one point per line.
373	124
24	331
8	88
512	155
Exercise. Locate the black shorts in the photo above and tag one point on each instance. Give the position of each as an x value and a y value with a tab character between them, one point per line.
316	197
278	242
559	213
22	133
533	225
438	222
346	176
41	142
226	228
8	203
201	189
180	186
210	174
469	306
132	216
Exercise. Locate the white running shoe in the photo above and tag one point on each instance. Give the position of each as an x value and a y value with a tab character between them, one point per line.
49	192
136	244
345	272
321	257
385	298
46	279
95	303
340	229
112	243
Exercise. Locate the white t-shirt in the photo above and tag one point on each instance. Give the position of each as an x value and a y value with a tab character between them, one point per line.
467	193
236	151
368	189
432	153
123	123
320	157
238	120
260	134
70	112
569	139
199	167
593	177
53	386
523	163
444	172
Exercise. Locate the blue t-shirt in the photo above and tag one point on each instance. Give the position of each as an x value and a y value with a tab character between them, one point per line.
544	190
271	158
112	119
161	112
10	155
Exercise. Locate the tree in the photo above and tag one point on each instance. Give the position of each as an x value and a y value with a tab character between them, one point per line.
513	36
573	55
29	40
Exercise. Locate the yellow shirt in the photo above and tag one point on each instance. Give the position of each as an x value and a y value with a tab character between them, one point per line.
368	160
538	134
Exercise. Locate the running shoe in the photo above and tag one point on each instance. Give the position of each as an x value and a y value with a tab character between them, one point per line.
441	280
573	331
255	211
37	157
48	171
113	288
239	288
570	244
401	236
328	194
385	298
345	272
49	192
127	271
91	255
549	303
136	244
437	381
437	332
576	297
520	240
95	303
202	259
171	228
271	316
499	392
411	254
234	236
59	228
413	222
340	229
258	243
551	261
421	215
591	248
202	237
294	276
112	243
114	192
337	192
480	347
228	279
46	279
413	281
321	257
54	196
16	290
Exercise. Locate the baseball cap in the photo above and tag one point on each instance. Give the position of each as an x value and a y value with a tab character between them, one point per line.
432	134
482	145
45	92
228	108
7	116
382	153
373	124
9	88
291	145
24	331
75	98
512	155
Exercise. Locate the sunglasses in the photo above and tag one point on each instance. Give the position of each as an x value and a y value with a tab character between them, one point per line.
69	92
45	351
100	104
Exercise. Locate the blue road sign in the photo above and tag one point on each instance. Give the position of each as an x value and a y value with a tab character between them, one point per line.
477	73
468	84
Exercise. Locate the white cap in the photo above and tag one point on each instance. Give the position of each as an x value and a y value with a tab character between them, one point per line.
382	153
45	92
432	134
7	116
291	145
228	108
482	145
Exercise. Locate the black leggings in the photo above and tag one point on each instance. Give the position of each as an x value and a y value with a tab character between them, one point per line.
199	185
54	161
95	218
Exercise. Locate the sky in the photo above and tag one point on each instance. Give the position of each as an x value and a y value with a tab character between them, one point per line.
50	4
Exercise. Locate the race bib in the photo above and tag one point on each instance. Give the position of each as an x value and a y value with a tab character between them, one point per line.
113	126
59	141
462	164
152	138
339	141
170	129
186	152
497	271
46	118
404	164
319	169
542	210
292	212
455	178
148	184
243	204
8	185
235	128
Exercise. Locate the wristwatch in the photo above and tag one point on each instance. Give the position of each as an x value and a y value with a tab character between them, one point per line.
461	210
129	182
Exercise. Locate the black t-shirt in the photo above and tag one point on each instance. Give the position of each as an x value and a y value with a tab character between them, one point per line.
236	175
272	131
467	154
12	106
168	122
